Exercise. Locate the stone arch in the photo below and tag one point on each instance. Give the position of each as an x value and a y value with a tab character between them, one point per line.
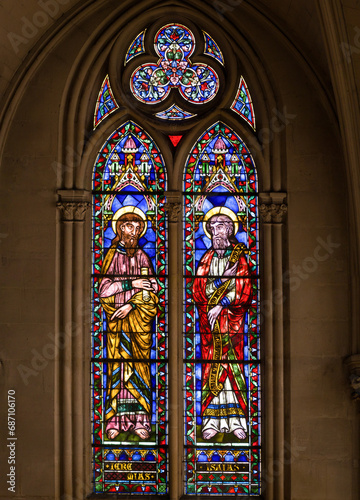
73	195
87	74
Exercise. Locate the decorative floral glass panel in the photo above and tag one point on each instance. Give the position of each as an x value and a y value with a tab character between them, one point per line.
136	48
174	112
221	317
129	307
197	82
243	105
105	103
212	49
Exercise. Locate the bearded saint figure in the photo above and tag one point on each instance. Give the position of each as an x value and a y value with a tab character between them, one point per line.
130	304
222	293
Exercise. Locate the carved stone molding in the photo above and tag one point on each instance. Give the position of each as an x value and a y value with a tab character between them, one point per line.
173	205
73	204
73	211
353	364
173	210
273	213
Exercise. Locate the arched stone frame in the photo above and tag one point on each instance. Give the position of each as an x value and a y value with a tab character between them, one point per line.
346	100
74	237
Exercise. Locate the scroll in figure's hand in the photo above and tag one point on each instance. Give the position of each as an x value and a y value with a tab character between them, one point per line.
143	284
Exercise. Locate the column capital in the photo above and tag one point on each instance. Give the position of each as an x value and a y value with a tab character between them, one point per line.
173	210
273	213
273	207
73	211
353	364
173	205
73	204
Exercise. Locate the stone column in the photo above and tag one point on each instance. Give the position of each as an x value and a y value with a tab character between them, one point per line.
173	209
272	211
71	391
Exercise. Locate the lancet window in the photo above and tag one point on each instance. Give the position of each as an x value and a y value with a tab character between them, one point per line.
221	337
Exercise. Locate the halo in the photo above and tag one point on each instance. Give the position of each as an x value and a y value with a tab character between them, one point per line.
129	210
220	211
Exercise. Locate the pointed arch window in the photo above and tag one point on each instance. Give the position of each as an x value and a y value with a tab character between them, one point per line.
221	377
129	308
221	327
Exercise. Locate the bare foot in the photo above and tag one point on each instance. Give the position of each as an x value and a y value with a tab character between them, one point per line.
142	433
209	433
240	433
112	433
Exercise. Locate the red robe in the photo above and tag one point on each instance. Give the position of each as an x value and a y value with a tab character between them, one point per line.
231	330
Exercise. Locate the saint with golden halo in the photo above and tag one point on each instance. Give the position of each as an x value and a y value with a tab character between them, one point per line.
127	291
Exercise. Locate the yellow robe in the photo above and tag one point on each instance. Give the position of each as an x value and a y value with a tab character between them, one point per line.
137	326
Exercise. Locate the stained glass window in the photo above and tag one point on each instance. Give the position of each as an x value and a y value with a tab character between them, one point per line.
129	316
221	335
212	49
136	48
105	103
243	105
221	317
197	82
174	112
